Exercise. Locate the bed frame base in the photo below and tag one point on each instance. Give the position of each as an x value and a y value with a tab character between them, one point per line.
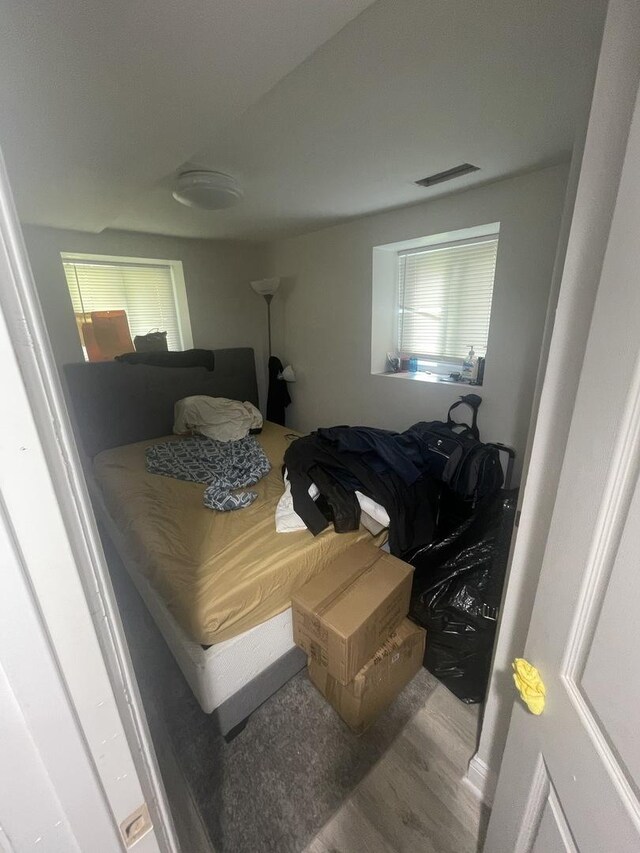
229	679
232	716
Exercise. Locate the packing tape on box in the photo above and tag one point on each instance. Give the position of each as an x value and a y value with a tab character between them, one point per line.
326	602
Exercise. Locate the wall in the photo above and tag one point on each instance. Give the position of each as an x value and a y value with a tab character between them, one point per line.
322	315
224	311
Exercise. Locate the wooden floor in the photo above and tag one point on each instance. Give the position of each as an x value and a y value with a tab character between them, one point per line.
414	799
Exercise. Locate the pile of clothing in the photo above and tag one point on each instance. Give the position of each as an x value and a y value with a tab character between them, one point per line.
216	417
219	452
387	467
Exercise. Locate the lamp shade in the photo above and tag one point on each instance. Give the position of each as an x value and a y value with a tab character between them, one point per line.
266	286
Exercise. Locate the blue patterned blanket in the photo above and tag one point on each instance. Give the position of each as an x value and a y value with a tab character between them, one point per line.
222	466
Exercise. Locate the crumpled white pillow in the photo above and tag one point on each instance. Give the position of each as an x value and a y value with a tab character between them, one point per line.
216	417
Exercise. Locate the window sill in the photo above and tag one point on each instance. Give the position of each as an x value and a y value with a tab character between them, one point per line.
431	378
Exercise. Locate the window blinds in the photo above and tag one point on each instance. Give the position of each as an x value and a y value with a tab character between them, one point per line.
144	291
444	298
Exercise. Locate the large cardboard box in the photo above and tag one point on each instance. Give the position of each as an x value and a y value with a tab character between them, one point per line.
380	680
341	616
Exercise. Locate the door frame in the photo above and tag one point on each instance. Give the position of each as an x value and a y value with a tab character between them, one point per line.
591	196
81	585
573	757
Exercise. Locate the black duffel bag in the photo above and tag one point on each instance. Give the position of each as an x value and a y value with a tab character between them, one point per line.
455	455
154	341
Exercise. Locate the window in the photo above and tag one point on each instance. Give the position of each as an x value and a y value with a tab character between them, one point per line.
134	295
444	299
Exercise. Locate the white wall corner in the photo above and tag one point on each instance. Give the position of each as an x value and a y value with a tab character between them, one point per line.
383	307
481	779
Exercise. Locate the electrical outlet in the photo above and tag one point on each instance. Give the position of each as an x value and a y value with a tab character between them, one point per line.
135	826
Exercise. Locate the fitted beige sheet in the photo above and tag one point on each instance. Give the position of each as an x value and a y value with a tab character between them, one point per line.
220	573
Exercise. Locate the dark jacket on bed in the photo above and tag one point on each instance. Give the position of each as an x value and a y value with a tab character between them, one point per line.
381	449
337	473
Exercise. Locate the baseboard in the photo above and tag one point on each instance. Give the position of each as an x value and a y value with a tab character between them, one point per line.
481	779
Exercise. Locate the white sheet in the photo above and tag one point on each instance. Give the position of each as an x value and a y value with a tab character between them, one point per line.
288	520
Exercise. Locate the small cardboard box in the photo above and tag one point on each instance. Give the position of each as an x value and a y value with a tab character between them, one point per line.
380	680
341	616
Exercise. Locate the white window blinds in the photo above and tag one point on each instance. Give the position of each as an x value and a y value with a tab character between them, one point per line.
145	291
444	298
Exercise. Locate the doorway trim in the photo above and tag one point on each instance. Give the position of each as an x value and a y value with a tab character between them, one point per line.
27	332
595	174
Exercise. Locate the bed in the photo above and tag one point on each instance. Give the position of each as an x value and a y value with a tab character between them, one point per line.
218	585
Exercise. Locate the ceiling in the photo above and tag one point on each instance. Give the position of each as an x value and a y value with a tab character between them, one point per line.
323	109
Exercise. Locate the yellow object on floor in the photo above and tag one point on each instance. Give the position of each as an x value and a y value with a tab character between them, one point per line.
530	685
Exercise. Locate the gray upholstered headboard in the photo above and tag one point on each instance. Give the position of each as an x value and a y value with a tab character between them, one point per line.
114	404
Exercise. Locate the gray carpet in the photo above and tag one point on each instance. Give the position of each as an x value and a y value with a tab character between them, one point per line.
279	781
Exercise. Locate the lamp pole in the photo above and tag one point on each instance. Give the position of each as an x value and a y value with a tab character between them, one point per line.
267	287
267	298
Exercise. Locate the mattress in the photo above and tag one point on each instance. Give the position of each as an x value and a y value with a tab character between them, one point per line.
219	573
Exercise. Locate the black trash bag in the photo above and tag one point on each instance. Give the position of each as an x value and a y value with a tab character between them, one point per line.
457	589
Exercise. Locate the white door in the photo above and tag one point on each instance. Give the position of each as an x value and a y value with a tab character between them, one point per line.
77	769
570	778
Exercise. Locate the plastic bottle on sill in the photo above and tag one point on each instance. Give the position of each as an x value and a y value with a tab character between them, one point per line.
475	373
470	365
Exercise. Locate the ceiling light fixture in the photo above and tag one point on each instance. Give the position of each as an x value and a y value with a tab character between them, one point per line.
207	190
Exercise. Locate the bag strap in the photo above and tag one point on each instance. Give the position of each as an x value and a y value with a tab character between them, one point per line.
473	401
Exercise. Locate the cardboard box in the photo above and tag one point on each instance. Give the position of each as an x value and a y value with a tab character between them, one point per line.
341	616
380	680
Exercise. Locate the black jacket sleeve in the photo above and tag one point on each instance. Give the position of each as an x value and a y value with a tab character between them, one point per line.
304	504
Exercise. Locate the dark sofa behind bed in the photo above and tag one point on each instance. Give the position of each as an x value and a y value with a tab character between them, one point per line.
114	403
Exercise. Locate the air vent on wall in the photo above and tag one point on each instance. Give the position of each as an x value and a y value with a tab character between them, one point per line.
456	172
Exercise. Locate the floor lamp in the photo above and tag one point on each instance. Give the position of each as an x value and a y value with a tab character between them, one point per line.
267	287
